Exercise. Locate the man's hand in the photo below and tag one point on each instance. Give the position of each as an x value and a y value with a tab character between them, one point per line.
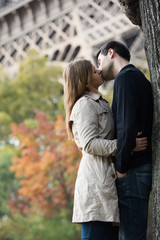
141	143
121	175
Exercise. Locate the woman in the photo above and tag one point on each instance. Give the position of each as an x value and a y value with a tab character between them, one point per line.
90	123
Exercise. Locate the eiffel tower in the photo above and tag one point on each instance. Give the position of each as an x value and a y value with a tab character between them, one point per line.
64	30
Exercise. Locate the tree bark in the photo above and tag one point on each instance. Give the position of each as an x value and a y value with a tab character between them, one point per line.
148	18
132	11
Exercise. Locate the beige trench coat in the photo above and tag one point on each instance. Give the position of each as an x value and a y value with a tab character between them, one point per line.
95	196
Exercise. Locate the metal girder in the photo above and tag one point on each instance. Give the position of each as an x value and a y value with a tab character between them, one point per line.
66	31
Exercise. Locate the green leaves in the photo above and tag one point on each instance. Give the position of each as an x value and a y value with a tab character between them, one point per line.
37	227
36	86
8	184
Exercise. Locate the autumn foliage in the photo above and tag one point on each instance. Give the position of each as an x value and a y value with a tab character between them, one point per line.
46	166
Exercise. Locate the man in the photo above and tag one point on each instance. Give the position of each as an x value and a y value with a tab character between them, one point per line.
132	110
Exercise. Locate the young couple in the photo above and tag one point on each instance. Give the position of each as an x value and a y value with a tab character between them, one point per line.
114	177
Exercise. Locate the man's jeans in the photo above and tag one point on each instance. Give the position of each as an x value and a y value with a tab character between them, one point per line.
133	194
99	231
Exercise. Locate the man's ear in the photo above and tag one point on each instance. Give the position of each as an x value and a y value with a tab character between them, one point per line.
111	53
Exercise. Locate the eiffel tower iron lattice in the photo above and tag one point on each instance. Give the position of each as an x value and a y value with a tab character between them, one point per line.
64	29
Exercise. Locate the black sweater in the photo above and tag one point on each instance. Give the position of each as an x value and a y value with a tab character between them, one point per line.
133	112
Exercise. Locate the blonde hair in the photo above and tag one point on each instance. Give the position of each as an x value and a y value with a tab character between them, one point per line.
77	79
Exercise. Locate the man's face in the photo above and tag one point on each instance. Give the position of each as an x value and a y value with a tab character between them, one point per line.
105	64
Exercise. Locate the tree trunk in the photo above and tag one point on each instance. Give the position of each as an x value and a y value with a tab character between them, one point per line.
132	10
148	17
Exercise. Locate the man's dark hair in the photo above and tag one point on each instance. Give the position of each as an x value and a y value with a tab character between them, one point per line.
118	47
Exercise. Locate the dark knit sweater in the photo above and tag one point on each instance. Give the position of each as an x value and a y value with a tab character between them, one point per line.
133	112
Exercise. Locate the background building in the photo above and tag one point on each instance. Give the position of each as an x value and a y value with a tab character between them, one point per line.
64	29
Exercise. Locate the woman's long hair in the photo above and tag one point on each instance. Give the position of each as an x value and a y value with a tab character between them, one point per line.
77	79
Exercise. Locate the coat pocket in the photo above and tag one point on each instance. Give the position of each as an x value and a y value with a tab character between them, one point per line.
110	175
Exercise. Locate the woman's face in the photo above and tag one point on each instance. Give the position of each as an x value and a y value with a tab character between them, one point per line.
97	79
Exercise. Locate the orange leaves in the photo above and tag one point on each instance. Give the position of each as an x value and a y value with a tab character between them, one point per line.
47	164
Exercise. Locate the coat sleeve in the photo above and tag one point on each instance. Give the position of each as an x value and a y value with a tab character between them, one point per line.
86	121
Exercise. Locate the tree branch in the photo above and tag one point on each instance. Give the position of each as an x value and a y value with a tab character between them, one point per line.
131	10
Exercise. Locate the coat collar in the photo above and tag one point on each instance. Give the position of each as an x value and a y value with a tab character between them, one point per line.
93	95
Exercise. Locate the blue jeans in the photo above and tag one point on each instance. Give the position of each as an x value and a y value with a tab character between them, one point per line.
99	231
133	195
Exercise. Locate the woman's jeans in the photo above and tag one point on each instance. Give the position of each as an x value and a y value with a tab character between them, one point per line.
99	231
133	195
